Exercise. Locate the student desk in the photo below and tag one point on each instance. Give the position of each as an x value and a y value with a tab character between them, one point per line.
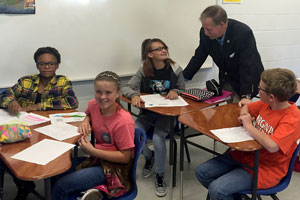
172	112
215	118
30	171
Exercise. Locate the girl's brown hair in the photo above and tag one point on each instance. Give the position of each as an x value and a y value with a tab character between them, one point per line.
112	77
147	62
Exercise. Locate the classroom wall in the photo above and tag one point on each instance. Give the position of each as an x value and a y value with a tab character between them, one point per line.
97	35
276	28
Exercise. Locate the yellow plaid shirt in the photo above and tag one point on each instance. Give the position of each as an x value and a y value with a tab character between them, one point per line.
58	94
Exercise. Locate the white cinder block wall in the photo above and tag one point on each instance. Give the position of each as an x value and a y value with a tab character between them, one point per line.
276	28
277	31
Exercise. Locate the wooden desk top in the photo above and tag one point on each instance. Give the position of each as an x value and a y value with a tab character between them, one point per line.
30	171
215	118
175	111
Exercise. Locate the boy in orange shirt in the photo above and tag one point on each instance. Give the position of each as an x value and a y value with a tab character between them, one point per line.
276	128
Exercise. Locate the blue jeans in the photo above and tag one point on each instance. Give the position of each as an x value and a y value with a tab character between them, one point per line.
77	181
162	124
223	177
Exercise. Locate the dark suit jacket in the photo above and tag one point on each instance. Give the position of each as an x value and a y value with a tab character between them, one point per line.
238	59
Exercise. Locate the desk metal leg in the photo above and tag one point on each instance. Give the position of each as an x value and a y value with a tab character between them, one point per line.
181	160
47	188
255	175
1	182
171	160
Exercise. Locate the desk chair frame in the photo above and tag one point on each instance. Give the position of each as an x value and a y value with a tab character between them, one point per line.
139	142
173	154
284	182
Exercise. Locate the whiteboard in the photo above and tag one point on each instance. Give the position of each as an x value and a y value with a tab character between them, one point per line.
97	35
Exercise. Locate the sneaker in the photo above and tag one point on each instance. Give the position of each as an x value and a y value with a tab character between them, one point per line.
160	186
91	194
148	166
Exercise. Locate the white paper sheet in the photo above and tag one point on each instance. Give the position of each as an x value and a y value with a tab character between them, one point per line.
24	118
43	152
234	134
4	115
67	117
156	100
59	131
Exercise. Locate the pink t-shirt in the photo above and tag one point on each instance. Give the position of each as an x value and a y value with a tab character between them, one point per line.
283	127
112	133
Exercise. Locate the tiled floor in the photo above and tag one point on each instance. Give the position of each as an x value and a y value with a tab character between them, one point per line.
193	190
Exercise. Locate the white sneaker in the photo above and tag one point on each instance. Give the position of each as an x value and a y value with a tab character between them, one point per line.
161	189
91	194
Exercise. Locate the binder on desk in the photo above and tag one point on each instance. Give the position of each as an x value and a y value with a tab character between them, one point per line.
226	95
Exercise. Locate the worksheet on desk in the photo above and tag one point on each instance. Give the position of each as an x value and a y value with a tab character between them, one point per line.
43	152
234	134
24	118
59	131
156	100
67	117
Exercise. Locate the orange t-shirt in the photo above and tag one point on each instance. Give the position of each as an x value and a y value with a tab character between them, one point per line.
283	127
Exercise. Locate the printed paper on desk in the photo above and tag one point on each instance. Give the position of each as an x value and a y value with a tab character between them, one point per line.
43	152
24	118
33	119
156	100
59	131
67	117
232	135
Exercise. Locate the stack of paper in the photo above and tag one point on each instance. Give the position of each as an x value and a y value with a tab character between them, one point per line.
234	134
67	117
24	118
43	152
59	131
156	100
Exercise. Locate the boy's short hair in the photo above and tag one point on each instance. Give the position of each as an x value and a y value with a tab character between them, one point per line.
280	82
49	50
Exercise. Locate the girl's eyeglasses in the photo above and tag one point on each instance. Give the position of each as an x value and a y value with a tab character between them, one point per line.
159	49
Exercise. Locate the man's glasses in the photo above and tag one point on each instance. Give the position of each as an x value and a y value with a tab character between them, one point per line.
260	89
43	65
160	49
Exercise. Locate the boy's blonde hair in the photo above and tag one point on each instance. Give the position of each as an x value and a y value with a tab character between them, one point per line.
280	82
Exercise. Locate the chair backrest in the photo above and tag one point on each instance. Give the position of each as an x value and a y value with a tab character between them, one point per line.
284	182
139	141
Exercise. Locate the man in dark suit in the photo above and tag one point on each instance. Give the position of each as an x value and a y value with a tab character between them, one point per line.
232	46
